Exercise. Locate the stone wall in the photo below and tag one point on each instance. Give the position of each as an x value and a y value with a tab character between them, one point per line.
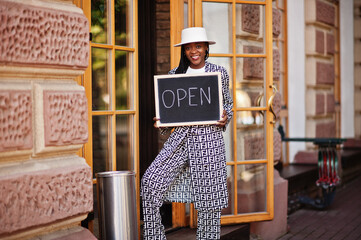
322	57
163	36
44	185
357	73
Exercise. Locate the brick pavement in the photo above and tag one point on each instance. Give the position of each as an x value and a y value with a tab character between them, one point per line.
340	221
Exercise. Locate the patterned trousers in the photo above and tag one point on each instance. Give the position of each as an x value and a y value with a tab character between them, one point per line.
156	181
209	224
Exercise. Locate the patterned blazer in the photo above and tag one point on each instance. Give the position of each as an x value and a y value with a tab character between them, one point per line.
204	181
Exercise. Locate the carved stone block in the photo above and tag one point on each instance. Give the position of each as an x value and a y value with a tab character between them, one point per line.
65	118
251	18
15	120
320	42
330	44
41	197
254	146
326	130
253	67
325	73
330	106
325	12
61	118
320	103
276	22
276	64
32	35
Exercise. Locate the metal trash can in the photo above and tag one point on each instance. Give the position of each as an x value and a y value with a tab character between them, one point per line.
117	208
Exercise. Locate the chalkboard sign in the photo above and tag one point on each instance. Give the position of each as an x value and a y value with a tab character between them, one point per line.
188	99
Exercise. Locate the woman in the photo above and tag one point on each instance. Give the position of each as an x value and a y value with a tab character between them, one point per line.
191	167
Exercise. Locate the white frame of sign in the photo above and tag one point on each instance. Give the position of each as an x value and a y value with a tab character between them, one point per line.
187	123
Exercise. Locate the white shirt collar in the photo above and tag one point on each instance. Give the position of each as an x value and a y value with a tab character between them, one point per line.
198	70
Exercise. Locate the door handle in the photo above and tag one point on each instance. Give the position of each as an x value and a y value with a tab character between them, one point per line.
270	103
258	102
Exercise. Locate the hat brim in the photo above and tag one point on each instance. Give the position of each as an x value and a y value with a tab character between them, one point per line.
180	44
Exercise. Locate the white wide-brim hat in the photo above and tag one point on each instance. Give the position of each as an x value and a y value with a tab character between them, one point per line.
194	34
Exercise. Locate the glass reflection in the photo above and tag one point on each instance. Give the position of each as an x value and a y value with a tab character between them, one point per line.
124	127
279	17
276	64
251	188
217	21
280	3
100	79
251	143
249	96
99	21
123	28
101	144
95	211
249	29
250	82
281	56
122	80
230	186
251	69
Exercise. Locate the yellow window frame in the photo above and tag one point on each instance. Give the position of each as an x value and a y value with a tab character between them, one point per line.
86	81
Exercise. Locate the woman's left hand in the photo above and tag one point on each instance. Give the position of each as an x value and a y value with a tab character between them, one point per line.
223	121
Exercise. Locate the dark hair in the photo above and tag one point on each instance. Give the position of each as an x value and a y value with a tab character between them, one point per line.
184	62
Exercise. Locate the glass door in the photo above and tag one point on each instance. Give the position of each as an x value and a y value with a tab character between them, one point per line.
243	32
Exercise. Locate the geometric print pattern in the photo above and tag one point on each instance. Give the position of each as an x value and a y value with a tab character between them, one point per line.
206	151
180	190
209	225
153	228
191	167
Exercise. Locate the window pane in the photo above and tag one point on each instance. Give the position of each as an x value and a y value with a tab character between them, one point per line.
251	142
230	187
124	142
224	62
101	144
99	21
280	3
122	81
278	56
250	82
100	79
185	15
249	29
123	26
282	23
251	188
217	21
